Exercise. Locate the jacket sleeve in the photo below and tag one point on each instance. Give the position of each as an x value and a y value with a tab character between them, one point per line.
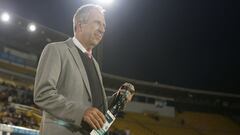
46	94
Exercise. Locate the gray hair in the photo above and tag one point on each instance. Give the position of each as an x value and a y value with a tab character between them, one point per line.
83	12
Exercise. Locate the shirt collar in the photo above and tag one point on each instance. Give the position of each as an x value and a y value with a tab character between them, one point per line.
80	46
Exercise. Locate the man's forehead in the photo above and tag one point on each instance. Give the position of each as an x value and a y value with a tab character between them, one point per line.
96	14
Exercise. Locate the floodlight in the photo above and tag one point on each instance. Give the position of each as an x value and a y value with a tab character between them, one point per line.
106	1
31	27
5	17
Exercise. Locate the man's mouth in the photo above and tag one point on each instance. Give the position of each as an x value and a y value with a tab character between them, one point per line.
98	35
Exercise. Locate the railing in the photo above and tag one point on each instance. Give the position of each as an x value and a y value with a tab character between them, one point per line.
9	129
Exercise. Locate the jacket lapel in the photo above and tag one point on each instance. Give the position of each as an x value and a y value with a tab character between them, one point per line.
73	50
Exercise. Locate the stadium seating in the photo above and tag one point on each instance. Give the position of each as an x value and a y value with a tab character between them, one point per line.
186	123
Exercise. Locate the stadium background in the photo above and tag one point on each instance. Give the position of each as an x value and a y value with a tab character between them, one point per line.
157	109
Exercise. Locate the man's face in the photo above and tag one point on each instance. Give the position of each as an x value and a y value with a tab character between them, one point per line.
92	31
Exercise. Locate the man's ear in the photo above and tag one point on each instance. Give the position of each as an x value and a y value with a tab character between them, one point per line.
78	27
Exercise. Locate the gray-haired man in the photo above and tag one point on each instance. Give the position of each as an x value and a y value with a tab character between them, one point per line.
68	84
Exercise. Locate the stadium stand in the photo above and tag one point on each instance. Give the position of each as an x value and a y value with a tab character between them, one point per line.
185	123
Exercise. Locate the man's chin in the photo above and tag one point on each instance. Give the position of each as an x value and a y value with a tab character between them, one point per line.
96	42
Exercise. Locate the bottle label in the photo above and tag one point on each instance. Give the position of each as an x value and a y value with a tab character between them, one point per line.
109	120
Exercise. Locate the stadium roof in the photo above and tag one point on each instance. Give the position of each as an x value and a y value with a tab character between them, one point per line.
14	34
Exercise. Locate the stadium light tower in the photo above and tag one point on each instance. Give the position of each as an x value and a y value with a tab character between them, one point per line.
5	17
31	27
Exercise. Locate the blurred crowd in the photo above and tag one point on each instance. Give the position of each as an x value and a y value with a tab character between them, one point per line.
18	95
9	115
13	94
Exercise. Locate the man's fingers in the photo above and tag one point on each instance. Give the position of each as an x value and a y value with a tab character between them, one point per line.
94	118
89	121
95	121
101	116
97	115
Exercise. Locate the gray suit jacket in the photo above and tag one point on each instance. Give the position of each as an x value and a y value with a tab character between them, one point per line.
62	89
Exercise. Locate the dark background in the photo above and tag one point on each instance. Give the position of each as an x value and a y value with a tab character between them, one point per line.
187	43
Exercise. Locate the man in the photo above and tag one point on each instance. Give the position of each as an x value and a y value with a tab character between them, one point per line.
68	84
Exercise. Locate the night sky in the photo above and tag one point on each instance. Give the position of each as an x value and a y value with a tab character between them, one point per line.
187	43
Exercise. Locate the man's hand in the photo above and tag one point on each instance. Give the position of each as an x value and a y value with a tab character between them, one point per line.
94	118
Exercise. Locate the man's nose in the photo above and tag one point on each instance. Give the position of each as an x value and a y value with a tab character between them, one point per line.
102	29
